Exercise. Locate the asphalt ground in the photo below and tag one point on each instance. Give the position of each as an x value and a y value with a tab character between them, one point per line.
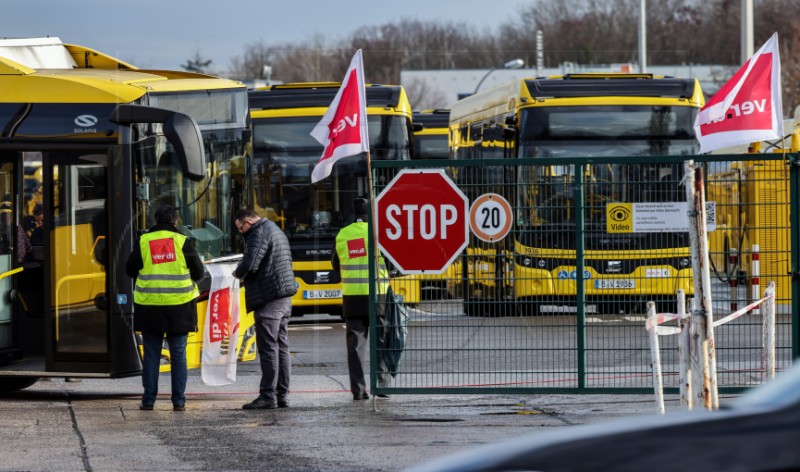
95	425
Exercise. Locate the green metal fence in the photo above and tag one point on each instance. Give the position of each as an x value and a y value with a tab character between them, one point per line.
558	305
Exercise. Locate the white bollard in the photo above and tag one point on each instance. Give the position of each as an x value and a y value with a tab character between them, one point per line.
768	324
655	355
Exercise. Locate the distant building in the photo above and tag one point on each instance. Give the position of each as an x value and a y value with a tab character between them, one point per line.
429	89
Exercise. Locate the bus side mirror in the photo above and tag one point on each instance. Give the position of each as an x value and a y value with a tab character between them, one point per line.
181	131
185	137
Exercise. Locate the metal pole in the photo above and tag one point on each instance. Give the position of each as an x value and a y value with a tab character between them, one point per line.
580	292
701	324
642	36
655	356
684	353
539	53
747	30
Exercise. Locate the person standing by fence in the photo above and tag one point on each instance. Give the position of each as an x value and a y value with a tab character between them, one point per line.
351	260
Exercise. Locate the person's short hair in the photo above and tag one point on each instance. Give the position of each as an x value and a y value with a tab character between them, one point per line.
165	214
361	206
37	209
244	213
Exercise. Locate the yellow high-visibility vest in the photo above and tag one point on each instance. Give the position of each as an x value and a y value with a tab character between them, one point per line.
165	278
351	247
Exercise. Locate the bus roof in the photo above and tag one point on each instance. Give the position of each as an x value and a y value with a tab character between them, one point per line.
319	94
610	85
574	88
438	118
44	70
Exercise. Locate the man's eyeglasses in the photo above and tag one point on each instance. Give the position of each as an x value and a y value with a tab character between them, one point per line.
241	227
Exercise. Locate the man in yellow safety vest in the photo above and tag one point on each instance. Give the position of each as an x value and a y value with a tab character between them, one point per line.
351	260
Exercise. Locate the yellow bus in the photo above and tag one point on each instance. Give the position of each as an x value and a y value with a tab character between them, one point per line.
284	153
579	116
431	134
97	144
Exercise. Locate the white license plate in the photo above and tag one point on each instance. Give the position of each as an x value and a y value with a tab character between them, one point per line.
614	283
314	294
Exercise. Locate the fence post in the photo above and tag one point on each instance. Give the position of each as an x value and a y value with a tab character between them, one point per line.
768	325
684	353
655	357
702	317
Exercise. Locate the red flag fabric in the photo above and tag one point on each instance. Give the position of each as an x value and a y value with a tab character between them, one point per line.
343	128
748	107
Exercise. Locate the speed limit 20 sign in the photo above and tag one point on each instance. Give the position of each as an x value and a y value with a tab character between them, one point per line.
490	217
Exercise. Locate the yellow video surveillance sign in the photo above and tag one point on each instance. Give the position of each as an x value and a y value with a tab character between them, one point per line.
653	217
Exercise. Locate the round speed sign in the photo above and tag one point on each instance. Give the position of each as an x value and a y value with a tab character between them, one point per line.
490	217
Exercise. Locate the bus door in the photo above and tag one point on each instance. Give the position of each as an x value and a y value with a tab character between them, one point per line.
74	257
9	265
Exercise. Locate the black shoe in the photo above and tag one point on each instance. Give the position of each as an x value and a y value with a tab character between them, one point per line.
382	395
283	403
178	407
260	404
145	407
361	396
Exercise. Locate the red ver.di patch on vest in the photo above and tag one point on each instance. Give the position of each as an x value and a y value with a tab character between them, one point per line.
356	248
162	250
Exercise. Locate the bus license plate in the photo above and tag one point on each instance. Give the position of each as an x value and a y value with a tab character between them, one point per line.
313	294
614	283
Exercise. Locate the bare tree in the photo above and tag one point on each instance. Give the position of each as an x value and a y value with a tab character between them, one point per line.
198	64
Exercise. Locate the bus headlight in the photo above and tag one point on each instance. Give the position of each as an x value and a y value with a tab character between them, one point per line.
685	262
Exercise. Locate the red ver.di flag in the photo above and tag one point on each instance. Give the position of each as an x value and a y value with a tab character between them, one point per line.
343	128
221	328
748	107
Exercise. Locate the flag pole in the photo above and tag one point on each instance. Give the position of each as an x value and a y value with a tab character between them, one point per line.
374	216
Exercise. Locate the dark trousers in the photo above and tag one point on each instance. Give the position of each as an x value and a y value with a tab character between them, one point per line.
272	341
357	337
151	362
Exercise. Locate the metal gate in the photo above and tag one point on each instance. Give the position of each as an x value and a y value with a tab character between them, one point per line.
558	305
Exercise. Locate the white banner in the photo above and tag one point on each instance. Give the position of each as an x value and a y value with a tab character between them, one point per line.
221	328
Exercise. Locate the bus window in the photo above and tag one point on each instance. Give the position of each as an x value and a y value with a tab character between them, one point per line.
81	323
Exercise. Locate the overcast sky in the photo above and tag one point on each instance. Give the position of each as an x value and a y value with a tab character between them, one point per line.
165	33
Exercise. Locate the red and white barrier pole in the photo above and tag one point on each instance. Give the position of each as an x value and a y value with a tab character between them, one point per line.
755	282
733	277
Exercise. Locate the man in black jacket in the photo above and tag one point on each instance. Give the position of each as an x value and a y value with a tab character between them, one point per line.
165	265
269	284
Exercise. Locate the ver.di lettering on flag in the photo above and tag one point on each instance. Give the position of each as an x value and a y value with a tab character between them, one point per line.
748	107
343	129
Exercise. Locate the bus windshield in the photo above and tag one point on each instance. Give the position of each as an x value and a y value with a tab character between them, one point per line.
284	156
204	207
595	131
601	131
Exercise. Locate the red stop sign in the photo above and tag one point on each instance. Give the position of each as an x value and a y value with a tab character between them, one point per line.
422	221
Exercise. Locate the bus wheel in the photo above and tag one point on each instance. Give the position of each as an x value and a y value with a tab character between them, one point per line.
11	384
